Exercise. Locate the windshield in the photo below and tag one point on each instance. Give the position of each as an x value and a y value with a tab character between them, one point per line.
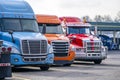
78	30
51	28
20	25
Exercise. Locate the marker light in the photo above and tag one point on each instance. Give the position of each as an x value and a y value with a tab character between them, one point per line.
3	49
9	49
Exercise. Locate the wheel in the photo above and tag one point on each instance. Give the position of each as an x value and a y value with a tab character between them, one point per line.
97	61
67	65
44	68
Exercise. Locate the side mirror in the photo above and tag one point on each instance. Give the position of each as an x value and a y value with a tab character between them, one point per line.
1	43
100	38
0	26
10	32
65	31
44	29
92	33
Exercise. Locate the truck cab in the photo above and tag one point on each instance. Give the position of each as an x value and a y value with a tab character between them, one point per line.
50	26
19	30
87	46
107	41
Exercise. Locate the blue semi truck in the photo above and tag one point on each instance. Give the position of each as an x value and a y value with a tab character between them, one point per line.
107	41
19	30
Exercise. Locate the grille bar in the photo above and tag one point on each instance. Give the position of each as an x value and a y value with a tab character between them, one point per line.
43	46
34	47
94	47
60	48
33	59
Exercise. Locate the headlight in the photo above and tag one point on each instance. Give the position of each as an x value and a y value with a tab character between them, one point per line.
84	43
80	49
73	37
73	48
103	49
101	43
14	50
50	49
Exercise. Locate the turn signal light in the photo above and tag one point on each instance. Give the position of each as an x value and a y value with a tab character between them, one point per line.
9	49
3	49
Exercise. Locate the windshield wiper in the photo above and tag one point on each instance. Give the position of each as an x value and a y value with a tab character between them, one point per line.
28	30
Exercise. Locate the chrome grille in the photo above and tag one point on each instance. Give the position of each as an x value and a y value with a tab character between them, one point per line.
34	47
60	48
34	58
43	46
93	47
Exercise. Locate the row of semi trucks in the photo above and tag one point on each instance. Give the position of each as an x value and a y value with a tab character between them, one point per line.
44	40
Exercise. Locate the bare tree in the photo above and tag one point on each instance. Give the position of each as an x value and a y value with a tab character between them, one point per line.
107	18
98	18
117	19
88	19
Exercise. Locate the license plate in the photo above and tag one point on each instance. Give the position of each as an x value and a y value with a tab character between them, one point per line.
4	64
80	54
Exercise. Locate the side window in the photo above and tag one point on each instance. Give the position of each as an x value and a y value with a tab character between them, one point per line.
40	29
40	26
12	24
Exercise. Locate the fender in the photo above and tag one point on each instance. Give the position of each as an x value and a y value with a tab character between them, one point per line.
10	44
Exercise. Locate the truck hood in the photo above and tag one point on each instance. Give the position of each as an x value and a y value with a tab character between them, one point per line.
18	36
51	37
29	35
78	39
25	35
84	36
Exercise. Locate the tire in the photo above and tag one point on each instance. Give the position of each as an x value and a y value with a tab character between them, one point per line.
2	78
67	65
97	61
44	68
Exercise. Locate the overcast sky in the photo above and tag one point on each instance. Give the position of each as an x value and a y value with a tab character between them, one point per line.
78	8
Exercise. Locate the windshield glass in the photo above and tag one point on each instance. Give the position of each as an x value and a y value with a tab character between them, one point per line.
20	25
78	30
51	28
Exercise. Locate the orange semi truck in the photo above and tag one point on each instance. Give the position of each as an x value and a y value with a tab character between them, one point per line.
50	26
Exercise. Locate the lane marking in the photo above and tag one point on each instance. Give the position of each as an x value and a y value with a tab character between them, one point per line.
21	78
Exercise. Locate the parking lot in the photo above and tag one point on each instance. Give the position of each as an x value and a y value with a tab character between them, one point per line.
108	70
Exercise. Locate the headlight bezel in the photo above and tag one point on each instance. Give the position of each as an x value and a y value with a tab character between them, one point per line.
15	50
50	49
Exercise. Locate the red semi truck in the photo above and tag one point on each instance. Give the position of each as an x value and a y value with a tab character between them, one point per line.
87	46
